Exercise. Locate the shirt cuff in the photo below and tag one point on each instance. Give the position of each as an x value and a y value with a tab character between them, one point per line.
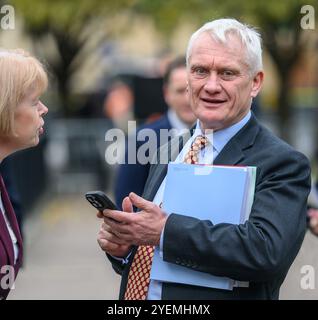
123	260
161	243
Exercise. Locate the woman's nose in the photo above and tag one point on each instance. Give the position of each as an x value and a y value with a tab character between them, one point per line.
44	109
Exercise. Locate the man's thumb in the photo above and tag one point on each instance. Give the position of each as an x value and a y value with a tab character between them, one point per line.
127	205
137	201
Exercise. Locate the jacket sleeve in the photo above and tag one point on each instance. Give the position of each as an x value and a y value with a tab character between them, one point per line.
265	245
130	177
118	264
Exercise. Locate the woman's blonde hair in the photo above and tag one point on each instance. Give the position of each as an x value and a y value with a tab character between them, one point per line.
19	73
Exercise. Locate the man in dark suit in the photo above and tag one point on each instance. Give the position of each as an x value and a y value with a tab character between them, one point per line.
131	177
224	75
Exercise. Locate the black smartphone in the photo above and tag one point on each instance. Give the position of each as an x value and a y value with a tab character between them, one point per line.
100	201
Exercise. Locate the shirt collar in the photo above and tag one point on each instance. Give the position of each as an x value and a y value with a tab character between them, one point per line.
220	138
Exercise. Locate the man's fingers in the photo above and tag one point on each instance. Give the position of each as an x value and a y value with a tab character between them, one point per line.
139	202
105	226
99	215
103	243
111	237
119	229
107	245
118	216
127	205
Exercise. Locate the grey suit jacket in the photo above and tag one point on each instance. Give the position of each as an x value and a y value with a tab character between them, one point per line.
259	251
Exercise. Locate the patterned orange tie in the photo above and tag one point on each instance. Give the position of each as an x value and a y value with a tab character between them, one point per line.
199	143
139	274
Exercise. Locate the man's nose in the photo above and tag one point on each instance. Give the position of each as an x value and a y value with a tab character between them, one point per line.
213	84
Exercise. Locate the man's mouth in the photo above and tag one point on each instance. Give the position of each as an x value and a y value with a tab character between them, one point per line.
212	102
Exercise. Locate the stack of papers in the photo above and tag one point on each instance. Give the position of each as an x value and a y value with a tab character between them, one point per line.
221	194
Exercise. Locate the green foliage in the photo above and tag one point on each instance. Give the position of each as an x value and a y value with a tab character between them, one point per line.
168	14
70	15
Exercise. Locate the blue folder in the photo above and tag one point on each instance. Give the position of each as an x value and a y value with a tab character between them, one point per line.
214	193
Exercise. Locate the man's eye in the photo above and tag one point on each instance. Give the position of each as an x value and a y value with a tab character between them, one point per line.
227	74
200	71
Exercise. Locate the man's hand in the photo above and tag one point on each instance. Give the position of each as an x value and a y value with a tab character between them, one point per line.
142	228
107	240
313	222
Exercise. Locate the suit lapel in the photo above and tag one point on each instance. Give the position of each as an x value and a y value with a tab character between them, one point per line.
168	152
154	182
6	239
230	155
233	151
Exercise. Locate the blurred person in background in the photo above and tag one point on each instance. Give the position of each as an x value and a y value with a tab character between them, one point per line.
132	177
22	81
118	104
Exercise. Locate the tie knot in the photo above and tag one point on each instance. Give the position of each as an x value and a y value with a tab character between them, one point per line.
199	143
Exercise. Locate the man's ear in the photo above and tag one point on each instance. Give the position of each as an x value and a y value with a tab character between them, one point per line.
257	83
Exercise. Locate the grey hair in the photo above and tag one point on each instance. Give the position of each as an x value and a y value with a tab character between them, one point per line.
220	29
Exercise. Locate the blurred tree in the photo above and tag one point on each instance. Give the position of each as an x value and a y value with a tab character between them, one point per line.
71	24
285	41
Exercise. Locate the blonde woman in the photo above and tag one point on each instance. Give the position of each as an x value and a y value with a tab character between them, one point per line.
22	82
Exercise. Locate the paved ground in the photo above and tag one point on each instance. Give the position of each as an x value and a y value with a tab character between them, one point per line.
63	260
299	275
